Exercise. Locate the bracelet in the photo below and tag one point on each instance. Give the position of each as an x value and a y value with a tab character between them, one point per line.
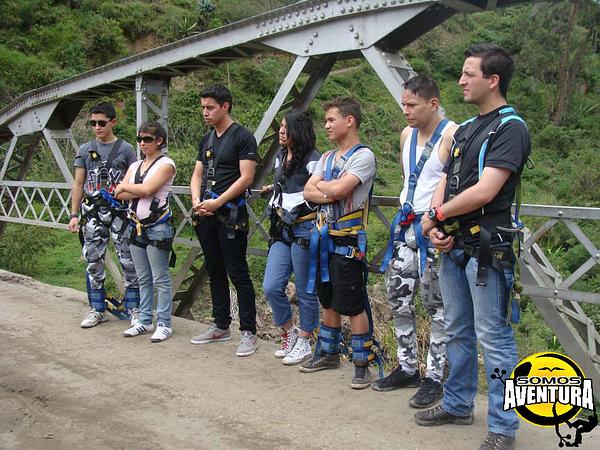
74	215
439	215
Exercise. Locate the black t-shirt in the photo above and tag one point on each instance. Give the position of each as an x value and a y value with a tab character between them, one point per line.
510	147
294	182
240	144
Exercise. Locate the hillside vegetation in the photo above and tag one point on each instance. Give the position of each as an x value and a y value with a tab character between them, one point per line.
556	89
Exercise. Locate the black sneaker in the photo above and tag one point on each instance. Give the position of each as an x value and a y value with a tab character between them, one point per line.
395	380
429	392
437	416
325	361
497	441
361	378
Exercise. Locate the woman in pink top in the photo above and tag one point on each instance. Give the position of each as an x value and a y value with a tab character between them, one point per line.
147	186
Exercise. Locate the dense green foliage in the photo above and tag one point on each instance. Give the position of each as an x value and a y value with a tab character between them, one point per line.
43	41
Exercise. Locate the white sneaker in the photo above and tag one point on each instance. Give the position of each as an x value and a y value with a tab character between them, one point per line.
93	318
134	314
138	329
162	333
288	340
300	353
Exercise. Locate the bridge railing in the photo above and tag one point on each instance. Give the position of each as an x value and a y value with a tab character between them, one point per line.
553	293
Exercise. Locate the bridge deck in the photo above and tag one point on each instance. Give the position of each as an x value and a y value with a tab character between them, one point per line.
62	386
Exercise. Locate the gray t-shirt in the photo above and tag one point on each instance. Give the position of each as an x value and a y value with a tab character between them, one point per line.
97	175
361	164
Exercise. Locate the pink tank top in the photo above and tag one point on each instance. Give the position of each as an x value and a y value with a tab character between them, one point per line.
143	207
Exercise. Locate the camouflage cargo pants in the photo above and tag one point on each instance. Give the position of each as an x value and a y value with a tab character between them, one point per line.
402	281
96	234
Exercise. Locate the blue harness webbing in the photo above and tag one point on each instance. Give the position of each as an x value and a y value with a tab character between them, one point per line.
320	238
108	197
320	242
403	216
329	340
506	115
377	359
208	194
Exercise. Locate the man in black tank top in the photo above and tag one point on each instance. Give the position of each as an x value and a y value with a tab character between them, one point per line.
470	222
224	171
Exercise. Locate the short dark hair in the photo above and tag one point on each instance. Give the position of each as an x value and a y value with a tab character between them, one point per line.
494	61
219	93
104	108
154	128
423	86
347	107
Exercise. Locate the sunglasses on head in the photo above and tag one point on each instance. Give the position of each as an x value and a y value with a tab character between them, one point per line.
145	139
100	123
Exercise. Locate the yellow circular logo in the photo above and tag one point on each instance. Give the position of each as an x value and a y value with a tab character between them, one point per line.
551	380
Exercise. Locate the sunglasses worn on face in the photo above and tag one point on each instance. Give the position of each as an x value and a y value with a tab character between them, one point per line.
100	123
145	139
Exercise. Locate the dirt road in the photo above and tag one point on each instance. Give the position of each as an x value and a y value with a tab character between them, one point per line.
63	387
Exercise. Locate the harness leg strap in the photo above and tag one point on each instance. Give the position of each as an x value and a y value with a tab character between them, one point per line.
328	341
312	268
485	257
362	353
376	360
232	220
96	298
132	298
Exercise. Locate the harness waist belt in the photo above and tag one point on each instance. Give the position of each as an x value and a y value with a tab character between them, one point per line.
231	222
349	225
155	218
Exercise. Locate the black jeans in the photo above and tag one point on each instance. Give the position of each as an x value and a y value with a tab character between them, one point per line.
222	257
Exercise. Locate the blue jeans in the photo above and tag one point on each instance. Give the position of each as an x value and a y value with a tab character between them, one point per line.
152	268
281	261
477	312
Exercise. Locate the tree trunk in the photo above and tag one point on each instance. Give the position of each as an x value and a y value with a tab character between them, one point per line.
564	68
569	67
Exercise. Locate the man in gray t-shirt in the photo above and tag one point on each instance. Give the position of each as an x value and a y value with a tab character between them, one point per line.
99	166
361	164
98	176
341	185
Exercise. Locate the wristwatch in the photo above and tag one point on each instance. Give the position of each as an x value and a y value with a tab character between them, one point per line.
74	215
432	215
435	215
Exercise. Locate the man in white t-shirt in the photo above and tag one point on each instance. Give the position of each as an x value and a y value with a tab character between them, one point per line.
425	144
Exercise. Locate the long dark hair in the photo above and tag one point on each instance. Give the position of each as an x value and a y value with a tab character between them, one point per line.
301	133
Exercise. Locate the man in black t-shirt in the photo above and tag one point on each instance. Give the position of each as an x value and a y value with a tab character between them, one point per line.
470	222
224	171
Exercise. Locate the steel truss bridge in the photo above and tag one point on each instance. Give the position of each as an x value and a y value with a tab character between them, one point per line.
317	34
